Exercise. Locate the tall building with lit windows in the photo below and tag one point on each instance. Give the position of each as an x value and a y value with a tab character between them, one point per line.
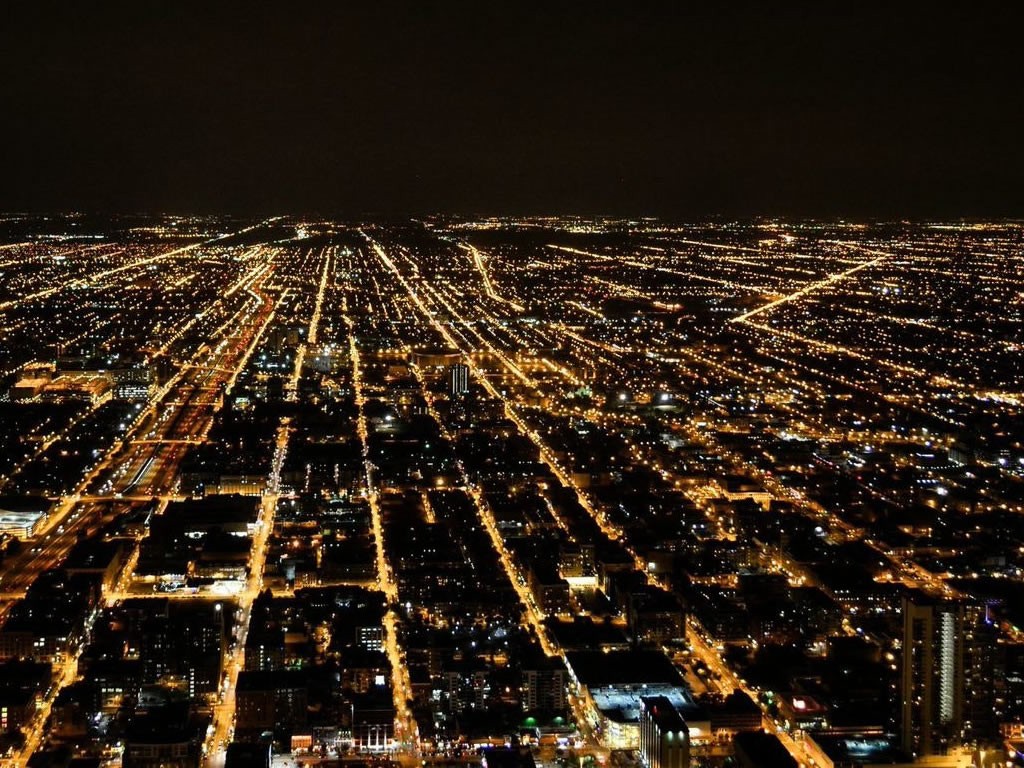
948	651
458	379
664	735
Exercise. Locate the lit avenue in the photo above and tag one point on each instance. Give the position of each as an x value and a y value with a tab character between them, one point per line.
545	492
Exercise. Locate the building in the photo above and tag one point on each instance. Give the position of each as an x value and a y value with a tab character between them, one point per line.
271	700
370	638
17	707
136	384
757	749
94	388
544	686
577	564
664	736
948	651
373	721
458	379
656	616
20	516
164	736
243	755
738	712
28	387
981	724
611	688
738	488
505	757
49	622
102	559
254	484
803	712
550	590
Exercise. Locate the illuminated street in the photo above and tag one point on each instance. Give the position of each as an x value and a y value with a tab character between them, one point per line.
412	476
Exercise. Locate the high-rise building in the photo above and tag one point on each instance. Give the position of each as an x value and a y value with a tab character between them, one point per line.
458	379
981	724
664	735
544	686
948	652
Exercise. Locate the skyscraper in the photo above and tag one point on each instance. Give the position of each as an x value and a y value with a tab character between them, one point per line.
458	379
664	735
944	683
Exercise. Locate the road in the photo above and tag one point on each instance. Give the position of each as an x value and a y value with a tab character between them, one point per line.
145	468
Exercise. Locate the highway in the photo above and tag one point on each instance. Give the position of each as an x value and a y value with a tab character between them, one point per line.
145	469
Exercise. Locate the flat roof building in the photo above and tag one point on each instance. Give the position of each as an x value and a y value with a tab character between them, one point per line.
664	735
613	684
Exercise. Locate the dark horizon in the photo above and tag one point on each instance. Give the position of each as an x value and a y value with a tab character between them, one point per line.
873	112
387	218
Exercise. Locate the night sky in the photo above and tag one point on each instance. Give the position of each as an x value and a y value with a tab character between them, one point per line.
671	109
